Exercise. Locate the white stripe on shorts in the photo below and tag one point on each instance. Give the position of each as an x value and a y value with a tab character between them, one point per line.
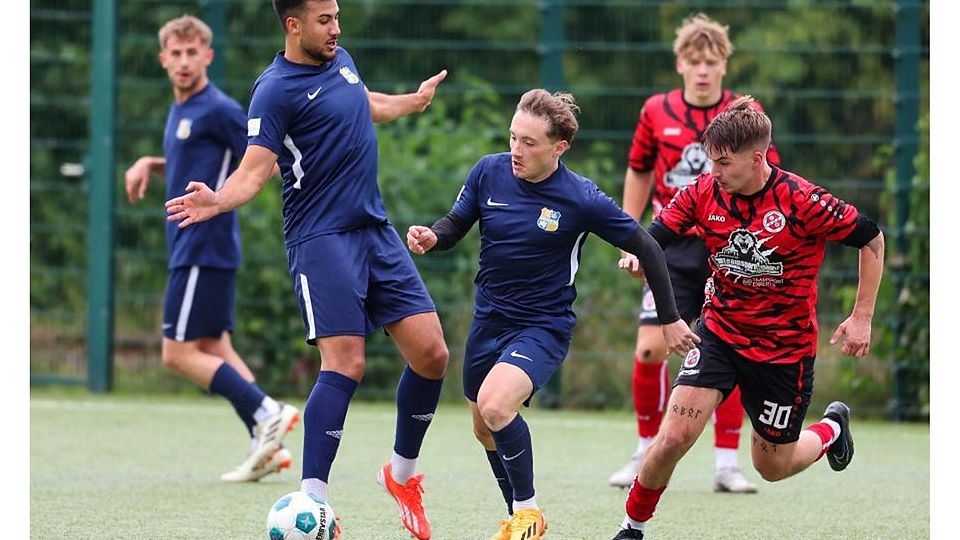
187	303
307	307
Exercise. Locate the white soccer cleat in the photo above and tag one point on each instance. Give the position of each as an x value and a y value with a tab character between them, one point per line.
731	480
245	472
270	433
624	476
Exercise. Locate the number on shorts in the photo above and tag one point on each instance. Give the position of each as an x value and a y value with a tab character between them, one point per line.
775	415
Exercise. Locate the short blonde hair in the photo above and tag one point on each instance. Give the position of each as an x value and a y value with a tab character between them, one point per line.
185	27
698	33
558	109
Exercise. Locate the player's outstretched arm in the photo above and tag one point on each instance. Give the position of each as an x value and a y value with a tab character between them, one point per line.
137	177
421	239
202	203
387	107
856	330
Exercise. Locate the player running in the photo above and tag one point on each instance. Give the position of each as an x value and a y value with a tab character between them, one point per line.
534	215
765	230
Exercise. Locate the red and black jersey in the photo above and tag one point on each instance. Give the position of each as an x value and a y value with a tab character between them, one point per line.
765	254
667	141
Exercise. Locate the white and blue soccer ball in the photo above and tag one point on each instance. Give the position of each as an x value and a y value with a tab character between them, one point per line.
301	516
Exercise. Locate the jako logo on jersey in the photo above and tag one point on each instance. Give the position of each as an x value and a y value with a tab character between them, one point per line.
715	217
183	128
692	359
774	222
422	417
549	220
350	76
668	131
335	434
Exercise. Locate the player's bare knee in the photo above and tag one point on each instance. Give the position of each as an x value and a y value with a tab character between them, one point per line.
495	415
432	362
648	352
173	360
675	443
772	471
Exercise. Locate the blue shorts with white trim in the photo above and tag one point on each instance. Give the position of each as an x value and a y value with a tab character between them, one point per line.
537	351
199	302
354	282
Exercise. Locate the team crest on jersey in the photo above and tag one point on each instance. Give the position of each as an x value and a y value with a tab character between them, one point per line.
183	128
774	222
693	162
692	359
549	220
743	256
350	76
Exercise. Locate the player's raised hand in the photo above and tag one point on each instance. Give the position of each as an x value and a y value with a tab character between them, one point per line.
630	264
855	332
679	338
421	239
199	204
429	87
137	178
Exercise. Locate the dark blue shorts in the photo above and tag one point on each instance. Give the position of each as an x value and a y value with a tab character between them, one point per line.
689	270
199	303
775	396
351	283
537	351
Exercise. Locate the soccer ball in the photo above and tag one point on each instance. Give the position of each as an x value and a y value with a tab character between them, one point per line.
301	516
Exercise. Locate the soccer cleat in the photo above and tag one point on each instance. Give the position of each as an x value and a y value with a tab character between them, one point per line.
527	524
269	433
629	534
731	480
278	461
504	532
623	477
840	453
409	500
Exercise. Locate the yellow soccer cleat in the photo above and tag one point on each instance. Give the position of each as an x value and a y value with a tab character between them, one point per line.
504	532
527	524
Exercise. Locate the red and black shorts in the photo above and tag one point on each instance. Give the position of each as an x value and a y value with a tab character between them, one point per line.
775	396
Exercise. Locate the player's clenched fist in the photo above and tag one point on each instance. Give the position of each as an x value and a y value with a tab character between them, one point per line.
421	239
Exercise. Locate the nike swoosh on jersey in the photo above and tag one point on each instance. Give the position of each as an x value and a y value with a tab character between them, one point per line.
505	458
311	95
516	354
490	202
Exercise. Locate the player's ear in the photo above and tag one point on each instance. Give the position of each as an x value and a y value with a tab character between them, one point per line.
208	56
560	147
292	25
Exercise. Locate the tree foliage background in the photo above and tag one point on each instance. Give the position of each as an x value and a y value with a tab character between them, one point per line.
823	71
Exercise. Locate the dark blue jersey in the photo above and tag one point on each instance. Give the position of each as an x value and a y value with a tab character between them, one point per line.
316	119
203	142
531	235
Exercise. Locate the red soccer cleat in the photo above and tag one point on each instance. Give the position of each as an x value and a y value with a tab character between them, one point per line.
408	497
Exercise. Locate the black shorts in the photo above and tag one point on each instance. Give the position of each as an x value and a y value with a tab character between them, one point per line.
687	263
775	396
